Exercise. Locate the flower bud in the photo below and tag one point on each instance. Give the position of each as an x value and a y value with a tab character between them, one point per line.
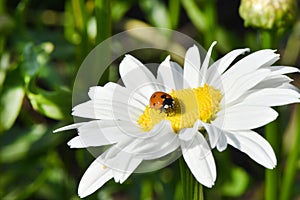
268	14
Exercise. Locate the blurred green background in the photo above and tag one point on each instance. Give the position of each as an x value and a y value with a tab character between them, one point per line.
42	45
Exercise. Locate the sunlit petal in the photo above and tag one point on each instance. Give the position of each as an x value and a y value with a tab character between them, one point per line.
198	156
170	74
255	146
191	68
94	177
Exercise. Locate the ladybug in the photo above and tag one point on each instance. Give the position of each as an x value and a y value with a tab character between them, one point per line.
162	101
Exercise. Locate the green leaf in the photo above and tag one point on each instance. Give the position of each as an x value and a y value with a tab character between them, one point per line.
35	57
16	145
55	105
195	14
103	19
156	13
119	9
11	100
4	66
238	183
174	12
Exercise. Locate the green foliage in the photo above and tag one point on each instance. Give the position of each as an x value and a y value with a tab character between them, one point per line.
41	48
156	12
11	100
55	105
237	184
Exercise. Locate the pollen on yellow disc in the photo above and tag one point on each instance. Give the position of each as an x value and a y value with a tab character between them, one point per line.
190	105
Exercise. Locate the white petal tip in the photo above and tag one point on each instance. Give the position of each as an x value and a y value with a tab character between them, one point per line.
209	185
193	48
68	127
221	148
83	194
167	60
59	130
270	166
127	58
214	43
246	50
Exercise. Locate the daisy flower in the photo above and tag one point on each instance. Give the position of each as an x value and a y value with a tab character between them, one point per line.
189	110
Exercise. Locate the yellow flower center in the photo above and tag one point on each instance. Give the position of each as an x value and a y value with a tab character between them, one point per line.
190	105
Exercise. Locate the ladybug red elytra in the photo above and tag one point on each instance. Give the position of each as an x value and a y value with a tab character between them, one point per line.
162	101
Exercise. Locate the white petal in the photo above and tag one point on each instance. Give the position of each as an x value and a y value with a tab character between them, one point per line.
204	67
274	81
272	97
191	68
129	165
243	117
122	163
254	146
289	86
76	143
112	92
85	110
198	156
216	136
222	143
137	77
95	177
105	110
69	127
170	74
188	134
249	64
220	66
160	141
102	132
125	156
278	70
113	99
242	85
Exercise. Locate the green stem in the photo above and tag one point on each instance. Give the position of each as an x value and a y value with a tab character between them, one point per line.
272	176
204	18
81	19
103	17
2	6
174	12
291	165
104	29
192	189
195	14
267	39
211	19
